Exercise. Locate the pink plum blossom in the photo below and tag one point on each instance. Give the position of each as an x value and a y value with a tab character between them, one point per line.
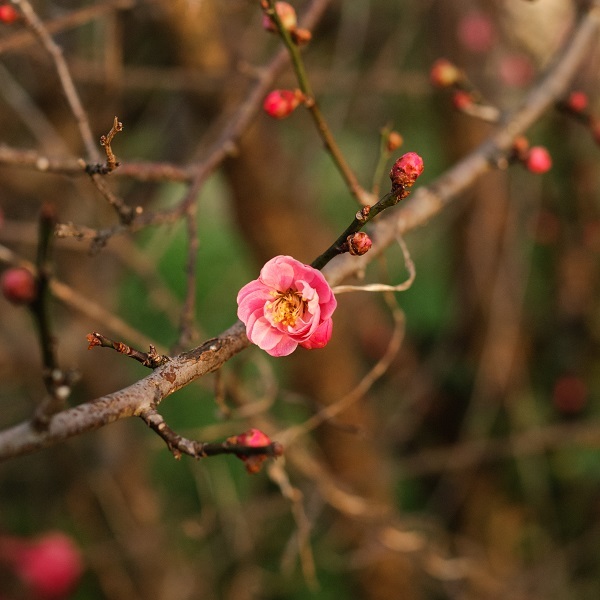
290	304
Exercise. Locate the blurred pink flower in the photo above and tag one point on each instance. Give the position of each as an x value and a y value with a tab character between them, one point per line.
50	566
290	304
476	32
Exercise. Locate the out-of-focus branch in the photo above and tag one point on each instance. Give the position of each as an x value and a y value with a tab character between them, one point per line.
38	27
71	20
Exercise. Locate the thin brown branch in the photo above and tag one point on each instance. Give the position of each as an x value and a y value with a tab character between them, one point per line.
139	170
71	20
179	445
55	52
149	359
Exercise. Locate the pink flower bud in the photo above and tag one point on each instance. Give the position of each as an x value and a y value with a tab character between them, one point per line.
577	101
49	567
444	73
18	285
286	14
254	438
282	103
538	160
8	14
406	170
476	32
359	243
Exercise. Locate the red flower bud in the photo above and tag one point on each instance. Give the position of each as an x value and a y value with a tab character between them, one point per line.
253	438
18	285
577	101
405	171
8	14
286	14
462	100
444	73
282	103
538	160
359	243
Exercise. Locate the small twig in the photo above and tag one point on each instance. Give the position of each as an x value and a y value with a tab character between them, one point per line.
149	359
126	213
111	160
179	445
384	155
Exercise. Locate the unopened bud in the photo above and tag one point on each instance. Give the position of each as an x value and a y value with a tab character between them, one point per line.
462	100
8	14
538	160
282	103
577	101
253	438
444	73
405	171
394	141
301	37
359	243
19	285
286	14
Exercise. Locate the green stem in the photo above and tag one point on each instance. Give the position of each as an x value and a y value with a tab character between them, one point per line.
324	131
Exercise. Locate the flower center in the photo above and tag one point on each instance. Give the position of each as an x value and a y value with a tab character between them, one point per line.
287	307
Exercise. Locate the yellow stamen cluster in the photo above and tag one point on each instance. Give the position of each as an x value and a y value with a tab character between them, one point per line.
287	307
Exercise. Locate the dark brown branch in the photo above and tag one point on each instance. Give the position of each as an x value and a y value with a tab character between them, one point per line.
179	445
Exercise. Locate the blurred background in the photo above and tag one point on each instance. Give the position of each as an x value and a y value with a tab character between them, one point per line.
470	469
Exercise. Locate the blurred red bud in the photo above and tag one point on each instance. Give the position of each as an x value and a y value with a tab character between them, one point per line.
18	285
